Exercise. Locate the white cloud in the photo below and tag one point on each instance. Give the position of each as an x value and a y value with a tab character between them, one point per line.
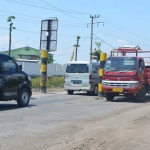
4	39
122	42
18	45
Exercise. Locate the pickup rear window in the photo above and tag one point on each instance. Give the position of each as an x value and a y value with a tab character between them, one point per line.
77	68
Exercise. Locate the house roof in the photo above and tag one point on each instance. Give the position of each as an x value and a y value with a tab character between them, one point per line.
26	50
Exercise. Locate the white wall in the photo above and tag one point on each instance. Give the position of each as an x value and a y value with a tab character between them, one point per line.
33	69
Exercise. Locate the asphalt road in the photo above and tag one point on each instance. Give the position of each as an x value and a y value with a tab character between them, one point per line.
57	120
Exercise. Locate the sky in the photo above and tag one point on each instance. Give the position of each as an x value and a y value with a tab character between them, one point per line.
120	22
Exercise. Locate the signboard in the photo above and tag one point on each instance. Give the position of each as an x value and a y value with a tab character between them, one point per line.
48	39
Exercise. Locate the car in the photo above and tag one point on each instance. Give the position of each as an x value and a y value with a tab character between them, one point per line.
15	84
82	76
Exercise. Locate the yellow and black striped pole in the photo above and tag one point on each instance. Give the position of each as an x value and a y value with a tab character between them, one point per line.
43	70
103	57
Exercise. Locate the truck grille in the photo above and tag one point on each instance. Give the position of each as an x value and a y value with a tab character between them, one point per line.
119	84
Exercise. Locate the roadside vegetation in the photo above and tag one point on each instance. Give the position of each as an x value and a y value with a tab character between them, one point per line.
53	82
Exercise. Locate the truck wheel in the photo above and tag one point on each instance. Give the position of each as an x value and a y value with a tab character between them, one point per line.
95	92
24	98
70	92
140	97
109	96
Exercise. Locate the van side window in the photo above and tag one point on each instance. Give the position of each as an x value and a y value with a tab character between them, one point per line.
95	68
8	66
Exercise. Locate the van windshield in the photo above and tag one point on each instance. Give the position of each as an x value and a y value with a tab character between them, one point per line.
77	68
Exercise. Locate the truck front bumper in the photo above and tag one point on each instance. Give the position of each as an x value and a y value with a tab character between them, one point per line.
120	90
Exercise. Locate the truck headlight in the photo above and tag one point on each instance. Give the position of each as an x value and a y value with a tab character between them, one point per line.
105	84
133	84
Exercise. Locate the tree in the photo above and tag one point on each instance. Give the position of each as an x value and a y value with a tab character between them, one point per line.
78	37
10	18
50	59
96	53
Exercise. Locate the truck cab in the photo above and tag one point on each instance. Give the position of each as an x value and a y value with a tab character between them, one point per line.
125	75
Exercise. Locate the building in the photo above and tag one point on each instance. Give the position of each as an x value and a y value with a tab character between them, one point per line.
27	54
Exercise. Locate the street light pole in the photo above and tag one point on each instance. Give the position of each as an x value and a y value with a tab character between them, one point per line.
10	30
78	37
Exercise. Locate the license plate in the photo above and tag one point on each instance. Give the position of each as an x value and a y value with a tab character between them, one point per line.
117	90
76	82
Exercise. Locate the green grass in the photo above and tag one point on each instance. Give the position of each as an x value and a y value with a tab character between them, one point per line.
54	82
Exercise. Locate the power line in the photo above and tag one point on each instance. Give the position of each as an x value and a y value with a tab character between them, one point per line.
47	8
62	11
71	53
117	26
104	41
131	32
118	36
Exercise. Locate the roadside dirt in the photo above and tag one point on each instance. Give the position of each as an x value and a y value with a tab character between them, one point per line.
124	130
127	129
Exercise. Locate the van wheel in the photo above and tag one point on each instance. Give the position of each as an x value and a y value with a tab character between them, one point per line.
109	96
70	92
24	98
140	97
95	92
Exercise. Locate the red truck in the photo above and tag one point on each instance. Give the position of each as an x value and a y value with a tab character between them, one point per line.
125	74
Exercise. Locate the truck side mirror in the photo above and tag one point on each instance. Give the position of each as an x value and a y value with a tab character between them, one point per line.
141	66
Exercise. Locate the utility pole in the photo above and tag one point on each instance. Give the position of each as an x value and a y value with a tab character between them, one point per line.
47	44
10	30
92	34
78	37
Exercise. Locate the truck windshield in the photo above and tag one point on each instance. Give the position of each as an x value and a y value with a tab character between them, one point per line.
77	68
120	64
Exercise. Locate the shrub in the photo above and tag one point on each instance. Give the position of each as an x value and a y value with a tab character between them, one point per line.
53	82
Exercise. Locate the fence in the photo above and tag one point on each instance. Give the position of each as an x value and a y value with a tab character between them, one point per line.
33	69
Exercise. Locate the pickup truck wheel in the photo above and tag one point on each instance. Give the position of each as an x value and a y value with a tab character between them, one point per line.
70	92
109	96
140	97
24	98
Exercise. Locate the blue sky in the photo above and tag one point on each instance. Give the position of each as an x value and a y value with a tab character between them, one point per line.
126	22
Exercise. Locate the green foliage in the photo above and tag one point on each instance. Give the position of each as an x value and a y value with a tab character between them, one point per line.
96	53
78	37
53	82
50	59
10	18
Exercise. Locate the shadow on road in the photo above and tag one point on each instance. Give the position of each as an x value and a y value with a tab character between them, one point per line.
131	100
5	107
82	94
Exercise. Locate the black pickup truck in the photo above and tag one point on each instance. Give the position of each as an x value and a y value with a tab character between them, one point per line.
14	83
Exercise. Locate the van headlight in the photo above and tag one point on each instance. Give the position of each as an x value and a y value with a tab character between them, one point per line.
105	84
133	84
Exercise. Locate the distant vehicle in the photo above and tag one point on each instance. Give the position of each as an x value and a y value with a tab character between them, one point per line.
126	74
14	83
82	76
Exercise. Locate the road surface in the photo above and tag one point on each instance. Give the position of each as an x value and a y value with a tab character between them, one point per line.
57	121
